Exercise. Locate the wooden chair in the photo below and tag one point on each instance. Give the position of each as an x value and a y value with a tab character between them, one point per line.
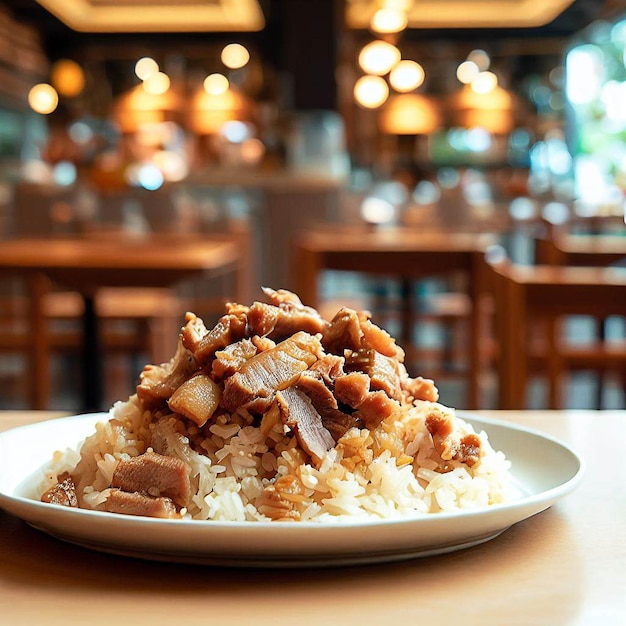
524	294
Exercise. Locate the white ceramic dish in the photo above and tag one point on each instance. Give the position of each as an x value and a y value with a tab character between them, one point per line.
544	470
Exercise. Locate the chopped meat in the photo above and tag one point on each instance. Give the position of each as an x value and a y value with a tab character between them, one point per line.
330	366
229	328
297	412
352	389
231	358
384	371
64	492
449	445
196	399
158	382
282	296
282	500
156	475
193	331
283	320
376	406
380	340
343	332
335	421
254	385
135	503
263	343
419	389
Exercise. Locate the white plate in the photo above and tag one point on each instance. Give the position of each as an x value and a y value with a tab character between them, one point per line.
544	470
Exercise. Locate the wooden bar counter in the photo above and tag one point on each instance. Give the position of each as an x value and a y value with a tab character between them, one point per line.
562	566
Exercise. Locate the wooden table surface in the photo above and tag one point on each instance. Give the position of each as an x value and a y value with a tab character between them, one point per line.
562	566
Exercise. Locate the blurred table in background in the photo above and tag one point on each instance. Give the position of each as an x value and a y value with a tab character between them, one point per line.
400	253
87	264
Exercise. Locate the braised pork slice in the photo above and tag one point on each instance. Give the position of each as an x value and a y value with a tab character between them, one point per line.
134	503
254	386
196	399
352	389
451	445
158	382
298	413
283	317
384	371
330	366
335	421
155	475
229	328
343	332
231	358
376	406
419	389
64	492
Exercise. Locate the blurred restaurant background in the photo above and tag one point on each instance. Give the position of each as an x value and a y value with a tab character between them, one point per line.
456	167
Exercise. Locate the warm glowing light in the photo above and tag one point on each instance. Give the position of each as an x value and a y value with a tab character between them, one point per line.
216	84
67	77
484	82
388	20
410	114
467	71
252	151
406	76
377	211
378	57
43	98
371	91
234	56
480	58
145	67
157	84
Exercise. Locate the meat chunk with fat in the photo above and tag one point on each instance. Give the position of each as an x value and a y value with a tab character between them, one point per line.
63	493
133	503
196	399
229	328
384	371
450	444
158	382
298	413
254	386
155	475
231	358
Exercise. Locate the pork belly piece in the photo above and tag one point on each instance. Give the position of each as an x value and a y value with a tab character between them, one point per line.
376	407
330	366
279	297
450	444
193	331
196	399
283	319
335	421
63	493
253	387
298	413
352	389
384	371
343	332
128	503
419	389
379	339
371	406
229	328
155	475
158	382
231	358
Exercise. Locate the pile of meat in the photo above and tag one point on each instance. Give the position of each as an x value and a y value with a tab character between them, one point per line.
280	362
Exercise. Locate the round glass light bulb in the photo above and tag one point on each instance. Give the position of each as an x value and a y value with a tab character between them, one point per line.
378	57
157	84
389	20
234	56
481	58
67	77
216	84
43	98
371	91
484	82
467	71
145	67
406	76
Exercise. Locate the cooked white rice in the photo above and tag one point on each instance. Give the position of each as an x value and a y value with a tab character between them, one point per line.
391	471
